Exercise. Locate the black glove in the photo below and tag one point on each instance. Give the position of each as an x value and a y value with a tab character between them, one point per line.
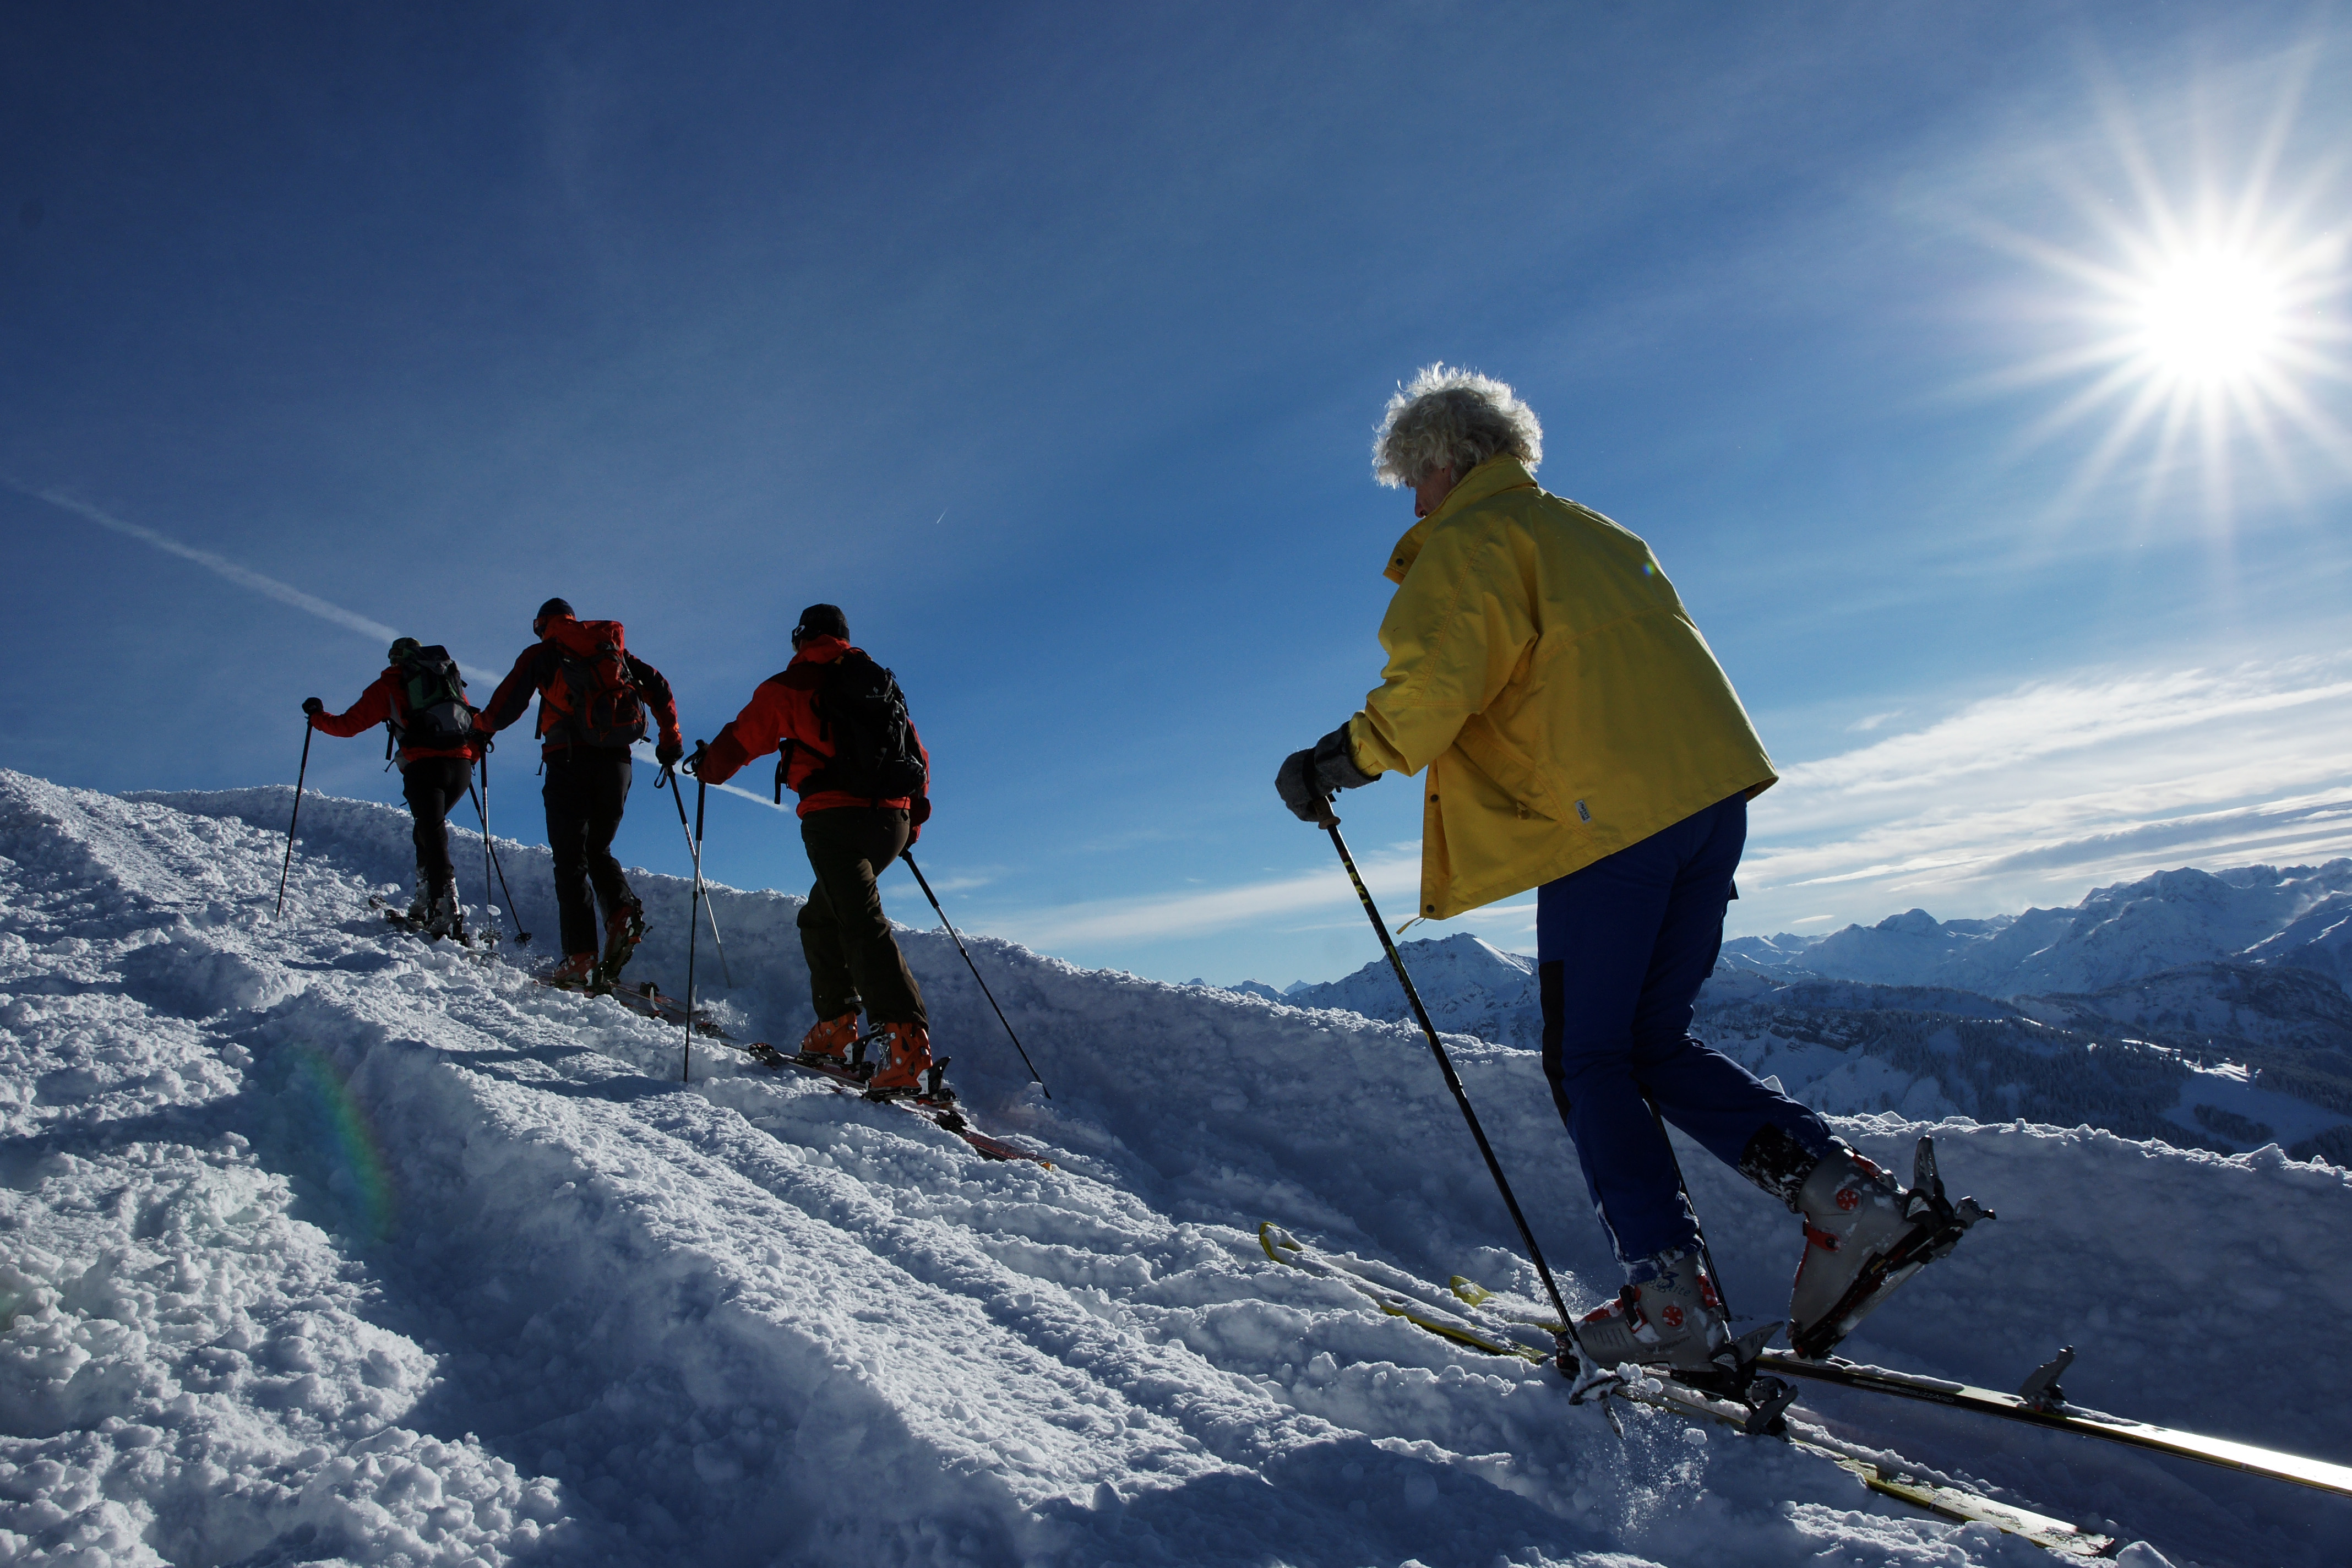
668	752
312	705
693	764
919	811
1308	779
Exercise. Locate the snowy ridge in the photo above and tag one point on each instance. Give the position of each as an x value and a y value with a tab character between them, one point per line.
321	1244
2299	916
2228	1055
1469	985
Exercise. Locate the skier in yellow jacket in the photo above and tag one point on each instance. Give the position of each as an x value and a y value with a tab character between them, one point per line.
1577	737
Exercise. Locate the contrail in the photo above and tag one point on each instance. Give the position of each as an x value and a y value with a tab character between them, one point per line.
284	593
243	576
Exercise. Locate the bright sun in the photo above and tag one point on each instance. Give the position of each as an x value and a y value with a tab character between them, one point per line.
2197	333
2211	317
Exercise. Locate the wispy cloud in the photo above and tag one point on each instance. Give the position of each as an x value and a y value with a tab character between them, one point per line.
2039	793
283	593
2033	796
220	565
1388	873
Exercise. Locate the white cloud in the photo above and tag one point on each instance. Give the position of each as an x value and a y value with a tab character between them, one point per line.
2039	793
1391	874
2031	797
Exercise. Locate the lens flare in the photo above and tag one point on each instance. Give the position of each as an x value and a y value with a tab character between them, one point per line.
346	1141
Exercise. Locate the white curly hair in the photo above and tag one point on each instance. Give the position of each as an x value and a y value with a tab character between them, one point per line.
1446	415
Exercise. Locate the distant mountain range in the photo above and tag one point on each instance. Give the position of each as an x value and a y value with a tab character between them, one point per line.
2208	1009
2300	916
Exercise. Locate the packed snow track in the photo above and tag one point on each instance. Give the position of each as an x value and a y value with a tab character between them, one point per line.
321	1244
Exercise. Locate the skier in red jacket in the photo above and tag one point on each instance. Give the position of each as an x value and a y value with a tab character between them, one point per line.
420	697
593	699
855	821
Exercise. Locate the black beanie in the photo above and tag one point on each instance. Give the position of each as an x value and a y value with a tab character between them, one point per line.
822	621
553	607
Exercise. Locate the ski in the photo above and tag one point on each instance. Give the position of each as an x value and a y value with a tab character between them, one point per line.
937	1106
2039	1401
2042	1402
1459	1316
1415	1306
397	919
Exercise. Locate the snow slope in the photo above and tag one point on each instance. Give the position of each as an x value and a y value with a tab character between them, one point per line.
317	1243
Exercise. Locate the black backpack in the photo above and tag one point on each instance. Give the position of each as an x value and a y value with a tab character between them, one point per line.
438	716
861	711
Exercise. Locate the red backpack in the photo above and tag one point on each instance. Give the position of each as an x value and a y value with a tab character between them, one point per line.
590	700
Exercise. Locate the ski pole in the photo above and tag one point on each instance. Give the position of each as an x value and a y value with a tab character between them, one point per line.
488	907
685	1063
301	774
1330	824
709	912
522	937
908	856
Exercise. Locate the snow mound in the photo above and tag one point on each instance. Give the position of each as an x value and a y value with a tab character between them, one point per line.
325	1244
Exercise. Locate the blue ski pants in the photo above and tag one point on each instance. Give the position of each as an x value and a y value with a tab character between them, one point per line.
1623	947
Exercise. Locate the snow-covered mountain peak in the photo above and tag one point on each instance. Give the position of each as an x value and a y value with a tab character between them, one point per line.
2264	914
1468	984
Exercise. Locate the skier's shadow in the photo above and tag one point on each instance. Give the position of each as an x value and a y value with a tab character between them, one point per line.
1344	1500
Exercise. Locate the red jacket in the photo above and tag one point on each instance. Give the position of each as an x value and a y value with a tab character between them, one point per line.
784	709
535	668
386	700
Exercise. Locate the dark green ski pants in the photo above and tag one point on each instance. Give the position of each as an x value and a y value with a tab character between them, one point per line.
851	956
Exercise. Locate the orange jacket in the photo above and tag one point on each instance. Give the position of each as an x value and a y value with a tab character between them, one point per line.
384	702
784	708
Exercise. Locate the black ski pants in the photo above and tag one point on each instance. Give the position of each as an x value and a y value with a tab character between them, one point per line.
432	785
587	789
853	960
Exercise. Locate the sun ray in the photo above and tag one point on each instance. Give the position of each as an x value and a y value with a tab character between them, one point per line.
2208	310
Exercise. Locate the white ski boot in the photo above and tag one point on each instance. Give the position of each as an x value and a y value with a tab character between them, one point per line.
445	917
1865	1234
1674	1321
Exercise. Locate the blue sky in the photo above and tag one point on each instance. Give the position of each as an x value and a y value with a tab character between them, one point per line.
1049	342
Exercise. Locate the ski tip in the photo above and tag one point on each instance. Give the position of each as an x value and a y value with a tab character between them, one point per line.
1272	1237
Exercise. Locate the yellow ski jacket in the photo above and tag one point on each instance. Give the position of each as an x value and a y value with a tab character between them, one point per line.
1545	673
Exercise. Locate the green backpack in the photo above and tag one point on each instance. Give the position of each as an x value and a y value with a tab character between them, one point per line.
429	711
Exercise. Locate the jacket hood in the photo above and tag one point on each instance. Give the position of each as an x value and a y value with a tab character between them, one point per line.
1491	477
820	650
